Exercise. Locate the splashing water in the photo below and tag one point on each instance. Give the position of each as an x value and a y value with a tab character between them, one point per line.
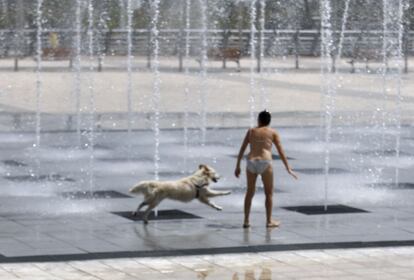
187	77
402	7
129	71
156	94
252	98
77	68
328	86
92	108
384	68
343	27
203	71
39	47
263	96
393	29
39	32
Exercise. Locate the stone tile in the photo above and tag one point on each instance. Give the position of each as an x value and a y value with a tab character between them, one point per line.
131	267
28	271
194	263
7	275
162	265
95	246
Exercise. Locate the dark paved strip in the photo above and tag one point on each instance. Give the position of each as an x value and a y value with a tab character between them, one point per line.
314	171
399	186
162	215
204	251
12	162
384	153
171	173
94	195
125	159
274	157
39	178
320	209
243	189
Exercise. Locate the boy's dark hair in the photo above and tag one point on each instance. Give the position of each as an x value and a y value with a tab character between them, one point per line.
264	117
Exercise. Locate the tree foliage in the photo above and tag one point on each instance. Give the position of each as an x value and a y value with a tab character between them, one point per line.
222	14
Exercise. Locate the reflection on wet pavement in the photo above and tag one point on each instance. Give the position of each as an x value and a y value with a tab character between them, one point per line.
370	263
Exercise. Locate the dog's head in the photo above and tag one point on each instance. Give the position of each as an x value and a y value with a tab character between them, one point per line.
209	172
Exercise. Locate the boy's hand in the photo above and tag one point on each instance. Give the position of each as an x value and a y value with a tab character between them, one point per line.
237	172
293	174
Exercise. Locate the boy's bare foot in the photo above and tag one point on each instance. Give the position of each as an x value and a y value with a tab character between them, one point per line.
273	224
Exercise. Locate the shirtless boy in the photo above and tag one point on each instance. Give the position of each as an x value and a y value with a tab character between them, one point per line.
259	162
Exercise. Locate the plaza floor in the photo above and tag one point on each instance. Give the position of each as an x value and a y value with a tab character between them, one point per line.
64	210
50	210
294	96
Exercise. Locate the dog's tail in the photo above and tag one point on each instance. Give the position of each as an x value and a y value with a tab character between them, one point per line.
139	188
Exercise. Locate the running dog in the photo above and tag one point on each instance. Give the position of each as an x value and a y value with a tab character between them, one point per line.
185	190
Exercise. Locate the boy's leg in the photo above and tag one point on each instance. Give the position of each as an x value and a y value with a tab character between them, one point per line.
251	188
267	178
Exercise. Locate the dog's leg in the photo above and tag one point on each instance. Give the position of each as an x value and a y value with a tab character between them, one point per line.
139	207
211	204
151	205
212	193
146	214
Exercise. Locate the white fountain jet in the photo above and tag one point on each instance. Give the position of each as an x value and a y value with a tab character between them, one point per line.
393	30
252	97
203	71
156	93
129	71
39	50
187	83
92	108
77	68
328	86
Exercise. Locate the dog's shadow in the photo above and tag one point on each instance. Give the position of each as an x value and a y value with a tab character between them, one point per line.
146	233
147	237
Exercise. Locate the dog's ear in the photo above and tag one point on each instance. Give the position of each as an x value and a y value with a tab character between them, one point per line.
202	166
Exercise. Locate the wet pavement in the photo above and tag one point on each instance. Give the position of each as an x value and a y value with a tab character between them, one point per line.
58	205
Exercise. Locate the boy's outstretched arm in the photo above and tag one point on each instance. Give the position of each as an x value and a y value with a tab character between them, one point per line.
241	153
276	141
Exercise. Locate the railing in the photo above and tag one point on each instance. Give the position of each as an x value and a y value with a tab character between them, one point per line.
21	43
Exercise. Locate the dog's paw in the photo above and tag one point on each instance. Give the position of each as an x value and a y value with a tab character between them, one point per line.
219	208
145	222
227	193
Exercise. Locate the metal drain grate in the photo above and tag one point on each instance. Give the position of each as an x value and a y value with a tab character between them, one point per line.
39	178
321	170
399	186
384	153
259	188
126	159
12	162
94	195
320	209
162	215
274	157
172	173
